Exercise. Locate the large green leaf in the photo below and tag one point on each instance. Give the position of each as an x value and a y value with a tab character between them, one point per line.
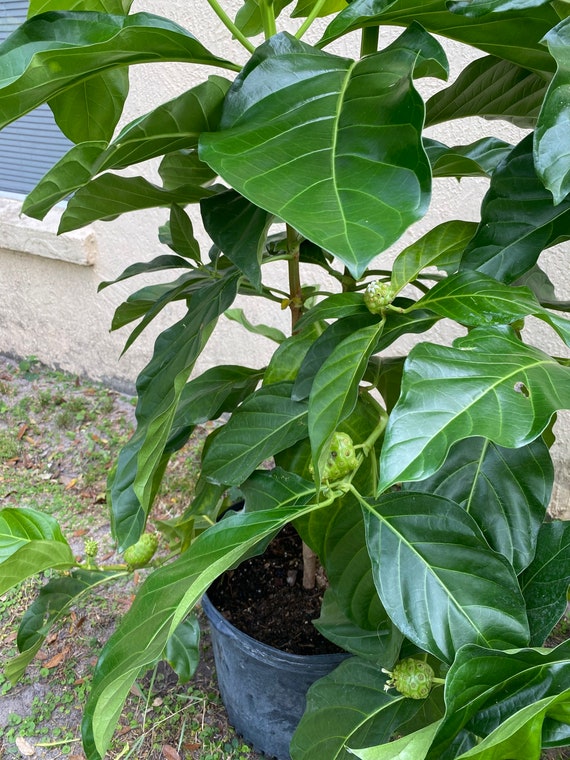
517	217
441	246
545	581
334	392
53	602
552	162
521	734
514	36
475	299
110	195
183	648
488	384
266	423
91	109
239	229
55	50
479	159
162	603
437	577
414	746
323	347
506	491
30	542
106	6
160	385
492	88
347	168
171	126
485	686
348	709
475	8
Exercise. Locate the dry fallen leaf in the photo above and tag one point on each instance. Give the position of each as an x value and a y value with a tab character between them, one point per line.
25	748
169	752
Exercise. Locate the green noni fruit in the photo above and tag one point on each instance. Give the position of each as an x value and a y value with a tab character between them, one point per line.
378	295
412	678
140	554
341	459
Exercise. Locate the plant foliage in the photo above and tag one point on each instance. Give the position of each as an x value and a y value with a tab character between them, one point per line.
435	538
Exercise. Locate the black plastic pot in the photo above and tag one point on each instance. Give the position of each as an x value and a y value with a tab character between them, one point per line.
263	688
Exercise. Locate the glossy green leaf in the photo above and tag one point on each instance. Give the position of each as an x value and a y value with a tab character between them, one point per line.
521	734
160	385
91	109
504	682
348	709
414	746
266	423
287	359
492	88
163	601
181	234
215	391
183	167
552	163
479	159
308	178
183	648
30	542
159	264
441	247
110	195
488	384
517	217
67	175
322	348
52	603
239	229
476	8
506	491
272	333
545	581
335	388
78	45
249	18
369	643
437	577
514	36
336	306
20	526
304	7
475	299
106	6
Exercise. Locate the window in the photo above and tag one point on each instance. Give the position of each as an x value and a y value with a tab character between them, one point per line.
31	145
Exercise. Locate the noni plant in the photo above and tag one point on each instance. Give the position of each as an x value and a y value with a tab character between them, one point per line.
297	154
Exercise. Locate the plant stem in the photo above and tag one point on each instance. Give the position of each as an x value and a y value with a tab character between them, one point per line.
267	18
295	292
229	24
315	10
369	40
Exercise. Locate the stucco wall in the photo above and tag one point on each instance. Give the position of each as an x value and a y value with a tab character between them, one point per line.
50	307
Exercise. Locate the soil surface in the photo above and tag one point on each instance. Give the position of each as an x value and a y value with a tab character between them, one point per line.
264	597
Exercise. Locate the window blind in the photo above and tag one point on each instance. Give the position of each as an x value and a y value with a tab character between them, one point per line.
32	144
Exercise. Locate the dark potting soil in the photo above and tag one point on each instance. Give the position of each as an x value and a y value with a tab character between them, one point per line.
264	597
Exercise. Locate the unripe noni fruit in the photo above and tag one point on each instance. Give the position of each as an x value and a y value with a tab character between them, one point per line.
412	678
378	295
91	548
140	554
341	459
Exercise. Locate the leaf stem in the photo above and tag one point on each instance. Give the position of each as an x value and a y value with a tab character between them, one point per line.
229	24
315	10
369	40
267	18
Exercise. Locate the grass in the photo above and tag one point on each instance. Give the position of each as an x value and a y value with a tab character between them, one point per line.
59	437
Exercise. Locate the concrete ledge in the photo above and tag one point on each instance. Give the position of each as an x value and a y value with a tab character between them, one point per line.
39	238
